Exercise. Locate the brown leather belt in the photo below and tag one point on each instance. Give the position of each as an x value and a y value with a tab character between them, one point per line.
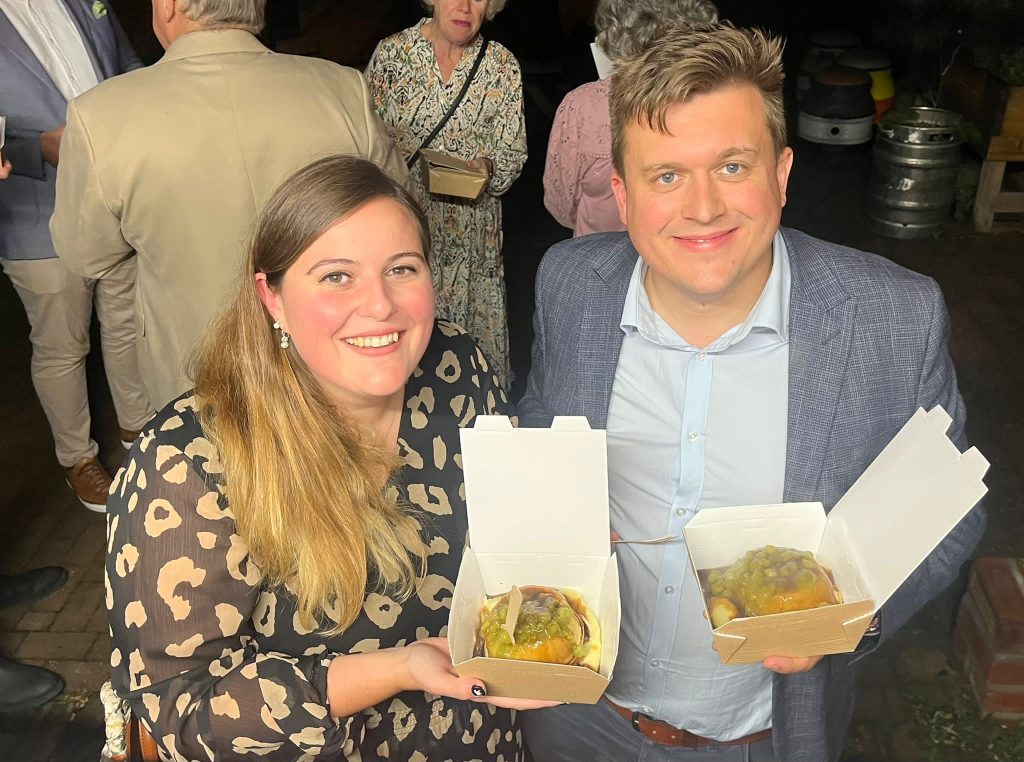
665	734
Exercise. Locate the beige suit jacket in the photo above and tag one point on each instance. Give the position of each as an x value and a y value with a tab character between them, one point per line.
172	163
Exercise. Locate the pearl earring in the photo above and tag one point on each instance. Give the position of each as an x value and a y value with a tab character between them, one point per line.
286	338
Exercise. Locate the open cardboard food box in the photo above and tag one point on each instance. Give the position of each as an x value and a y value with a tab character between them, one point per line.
910	497
450	175
538	515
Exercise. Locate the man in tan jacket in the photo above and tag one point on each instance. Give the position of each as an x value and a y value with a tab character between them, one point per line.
172	162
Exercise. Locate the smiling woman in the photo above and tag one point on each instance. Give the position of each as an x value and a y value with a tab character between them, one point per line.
274	577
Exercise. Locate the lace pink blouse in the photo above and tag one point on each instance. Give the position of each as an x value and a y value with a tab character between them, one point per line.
578	171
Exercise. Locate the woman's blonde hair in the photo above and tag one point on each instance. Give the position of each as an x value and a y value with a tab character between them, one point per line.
305	485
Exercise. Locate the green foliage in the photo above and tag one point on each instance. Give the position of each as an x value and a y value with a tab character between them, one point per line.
1011	66
943	721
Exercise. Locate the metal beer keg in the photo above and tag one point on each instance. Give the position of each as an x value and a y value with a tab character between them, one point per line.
823	47
838	108
913	179
879	68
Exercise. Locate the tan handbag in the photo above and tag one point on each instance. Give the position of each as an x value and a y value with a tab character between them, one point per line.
127	739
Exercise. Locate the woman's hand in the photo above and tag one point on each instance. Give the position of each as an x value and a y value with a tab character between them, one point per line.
428	664
483	164
5	170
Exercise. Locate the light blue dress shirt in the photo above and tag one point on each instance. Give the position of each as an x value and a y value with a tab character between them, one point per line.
689	429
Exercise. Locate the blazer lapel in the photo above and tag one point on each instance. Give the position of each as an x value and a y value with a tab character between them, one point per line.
821	327
601	334
10	39
84	21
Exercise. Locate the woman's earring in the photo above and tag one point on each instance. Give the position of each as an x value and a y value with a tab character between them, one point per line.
286	338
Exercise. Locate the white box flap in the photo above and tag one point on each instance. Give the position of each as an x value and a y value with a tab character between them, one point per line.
905	503
536	490
719	536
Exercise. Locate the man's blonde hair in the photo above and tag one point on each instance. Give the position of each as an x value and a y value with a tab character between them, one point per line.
247	15
684	60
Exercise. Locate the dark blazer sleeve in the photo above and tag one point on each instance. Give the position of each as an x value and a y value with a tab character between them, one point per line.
21	148
531	408
126	58
937	386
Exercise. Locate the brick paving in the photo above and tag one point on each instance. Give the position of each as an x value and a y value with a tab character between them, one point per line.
67	631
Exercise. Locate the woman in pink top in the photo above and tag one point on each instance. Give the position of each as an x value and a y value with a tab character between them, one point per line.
577	175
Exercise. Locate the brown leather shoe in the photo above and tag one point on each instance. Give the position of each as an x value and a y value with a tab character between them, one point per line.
90	482
128	438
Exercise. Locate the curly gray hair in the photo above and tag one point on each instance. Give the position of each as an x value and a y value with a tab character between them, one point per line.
494	7
229	14
624	27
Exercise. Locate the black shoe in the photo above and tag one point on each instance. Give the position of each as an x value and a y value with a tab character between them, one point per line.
31	585
23	686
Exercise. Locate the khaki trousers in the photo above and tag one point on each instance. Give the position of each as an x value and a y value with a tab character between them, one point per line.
59	306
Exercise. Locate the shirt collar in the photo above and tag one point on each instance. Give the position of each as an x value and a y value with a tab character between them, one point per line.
204	42
770	314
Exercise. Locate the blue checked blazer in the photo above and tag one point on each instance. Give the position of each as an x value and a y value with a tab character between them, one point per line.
868	346
32	104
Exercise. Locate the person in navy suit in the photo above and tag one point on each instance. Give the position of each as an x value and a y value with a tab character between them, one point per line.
732	362
50	52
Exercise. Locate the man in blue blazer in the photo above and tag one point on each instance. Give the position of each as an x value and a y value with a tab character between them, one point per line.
732	362
50	52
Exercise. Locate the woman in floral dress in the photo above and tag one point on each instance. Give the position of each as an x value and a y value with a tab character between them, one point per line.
414	77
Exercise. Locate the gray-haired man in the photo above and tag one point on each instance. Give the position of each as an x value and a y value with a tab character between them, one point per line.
172	163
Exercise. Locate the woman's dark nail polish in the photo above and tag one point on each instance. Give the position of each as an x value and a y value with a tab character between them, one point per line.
479	690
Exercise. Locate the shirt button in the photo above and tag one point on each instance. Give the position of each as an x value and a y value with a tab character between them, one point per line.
655	663
693	436
669	590
680	511
702	356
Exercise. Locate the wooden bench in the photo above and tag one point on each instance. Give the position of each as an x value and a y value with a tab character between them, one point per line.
997	110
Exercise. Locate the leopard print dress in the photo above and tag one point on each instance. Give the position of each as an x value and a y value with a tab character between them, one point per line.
218	666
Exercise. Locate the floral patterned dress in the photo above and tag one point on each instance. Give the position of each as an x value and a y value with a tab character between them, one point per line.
218	667
411	97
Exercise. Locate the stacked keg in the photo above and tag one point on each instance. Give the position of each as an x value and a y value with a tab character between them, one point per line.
913	179
838	108
824	46
879	68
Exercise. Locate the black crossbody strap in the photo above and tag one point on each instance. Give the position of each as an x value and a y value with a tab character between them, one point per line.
451	109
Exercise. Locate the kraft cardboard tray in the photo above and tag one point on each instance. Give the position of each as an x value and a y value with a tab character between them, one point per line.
537	501
450	176
906	502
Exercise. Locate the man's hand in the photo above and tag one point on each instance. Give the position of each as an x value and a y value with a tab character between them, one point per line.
5	170
787	665
49	145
